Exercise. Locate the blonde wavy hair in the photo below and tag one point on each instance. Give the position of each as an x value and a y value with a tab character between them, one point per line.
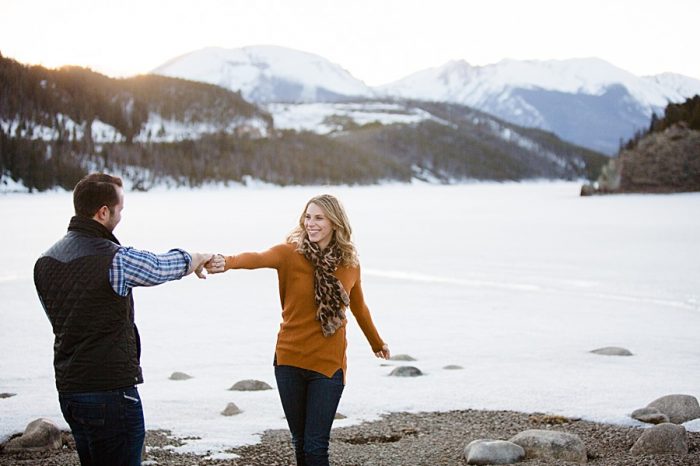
342	231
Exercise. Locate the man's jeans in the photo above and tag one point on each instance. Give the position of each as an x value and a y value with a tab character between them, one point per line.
107	426
309	400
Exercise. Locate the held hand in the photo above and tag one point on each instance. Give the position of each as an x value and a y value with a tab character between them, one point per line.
197	265
384	353
216	264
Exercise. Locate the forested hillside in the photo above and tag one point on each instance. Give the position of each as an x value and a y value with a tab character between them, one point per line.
57	124
664	158
462	143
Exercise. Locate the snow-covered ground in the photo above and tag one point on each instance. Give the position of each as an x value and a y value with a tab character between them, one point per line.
325	118
514	282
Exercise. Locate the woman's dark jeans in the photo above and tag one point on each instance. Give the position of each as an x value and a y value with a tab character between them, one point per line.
309	400
107	426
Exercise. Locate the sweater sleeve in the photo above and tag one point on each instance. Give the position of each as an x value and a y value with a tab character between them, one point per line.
270	259
364	319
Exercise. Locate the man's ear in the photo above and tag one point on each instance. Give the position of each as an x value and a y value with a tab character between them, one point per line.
102	213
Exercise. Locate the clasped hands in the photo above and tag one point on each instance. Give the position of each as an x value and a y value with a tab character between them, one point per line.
213	263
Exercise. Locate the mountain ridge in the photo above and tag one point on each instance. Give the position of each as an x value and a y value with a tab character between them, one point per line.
586	101
588	75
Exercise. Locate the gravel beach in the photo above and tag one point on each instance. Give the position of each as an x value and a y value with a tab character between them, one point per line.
401	439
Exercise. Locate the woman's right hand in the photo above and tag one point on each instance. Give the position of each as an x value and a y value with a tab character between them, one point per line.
216	264
384	353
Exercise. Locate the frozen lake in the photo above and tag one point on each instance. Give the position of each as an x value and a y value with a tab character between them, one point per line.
514	282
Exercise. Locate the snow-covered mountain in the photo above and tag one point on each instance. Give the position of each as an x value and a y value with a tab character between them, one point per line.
586	101
268	74
683	86
462	83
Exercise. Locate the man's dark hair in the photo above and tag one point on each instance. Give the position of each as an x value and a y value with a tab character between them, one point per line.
94	191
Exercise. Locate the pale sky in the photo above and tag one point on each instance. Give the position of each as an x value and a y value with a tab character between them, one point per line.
378	41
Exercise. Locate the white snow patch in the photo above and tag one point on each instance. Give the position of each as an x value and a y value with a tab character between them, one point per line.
318	117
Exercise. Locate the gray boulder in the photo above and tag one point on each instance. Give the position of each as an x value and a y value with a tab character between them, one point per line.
250	385
612	351
587	190
40	435
231	410
402	357
405	371
453	367
551	445
664	438
678	408
179	376
485	451
340	416
650	415
7	395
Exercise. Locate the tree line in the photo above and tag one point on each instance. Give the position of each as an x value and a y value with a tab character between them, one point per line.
685	113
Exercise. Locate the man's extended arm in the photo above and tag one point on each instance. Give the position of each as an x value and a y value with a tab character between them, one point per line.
133	267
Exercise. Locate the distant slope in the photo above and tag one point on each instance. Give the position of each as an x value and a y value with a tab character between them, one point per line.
586	101
676	85
268	74
455	142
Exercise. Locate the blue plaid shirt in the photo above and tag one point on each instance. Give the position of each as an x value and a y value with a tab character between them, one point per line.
132	267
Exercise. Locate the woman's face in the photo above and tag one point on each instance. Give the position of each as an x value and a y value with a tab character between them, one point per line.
318	226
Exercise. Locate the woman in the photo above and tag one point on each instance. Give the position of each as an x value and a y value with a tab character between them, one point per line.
319	276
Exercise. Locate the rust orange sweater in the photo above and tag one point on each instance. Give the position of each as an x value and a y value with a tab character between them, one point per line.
300	342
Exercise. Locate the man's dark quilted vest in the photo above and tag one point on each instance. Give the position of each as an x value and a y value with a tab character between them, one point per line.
96	344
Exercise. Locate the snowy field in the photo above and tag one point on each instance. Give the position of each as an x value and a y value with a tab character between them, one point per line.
324	118
514	282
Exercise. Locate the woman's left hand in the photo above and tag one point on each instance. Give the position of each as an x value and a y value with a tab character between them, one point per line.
384	353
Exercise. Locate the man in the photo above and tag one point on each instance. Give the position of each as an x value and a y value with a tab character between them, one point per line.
84	283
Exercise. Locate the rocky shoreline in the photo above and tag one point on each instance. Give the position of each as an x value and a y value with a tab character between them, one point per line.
399	439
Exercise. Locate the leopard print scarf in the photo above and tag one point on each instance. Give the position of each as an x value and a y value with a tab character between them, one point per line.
331	297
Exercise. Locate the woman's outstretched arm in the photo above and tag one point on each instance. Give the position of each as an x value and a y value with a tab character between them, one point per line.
271	259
